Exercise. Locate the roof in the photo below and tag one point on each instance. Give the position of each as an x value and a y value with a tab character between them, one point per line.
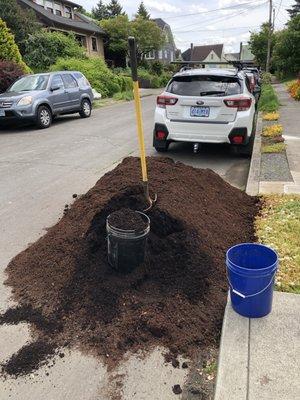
84	25
232	56
186	55
208	71
160	22
200	53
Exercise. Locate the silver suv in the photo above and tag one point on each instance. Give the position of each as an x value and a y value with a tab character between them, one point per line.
41	97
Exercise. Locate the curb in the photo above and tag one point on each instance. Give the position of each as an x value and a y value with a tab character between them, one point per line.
252	187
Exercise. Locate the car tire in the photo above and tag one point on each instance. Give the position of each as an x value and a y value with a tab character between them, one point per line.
85	108
44	117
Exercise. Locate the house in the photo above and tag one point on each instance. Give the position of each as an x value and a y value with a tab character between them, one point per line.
208	53
62	16
168	53
232	56
245	54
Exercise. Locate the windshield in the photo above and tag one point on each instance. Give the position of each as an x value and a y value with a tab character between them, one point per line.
204	86
29	83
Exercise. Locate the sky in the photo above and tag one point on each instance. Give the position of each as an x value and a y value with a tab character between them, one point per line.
202	22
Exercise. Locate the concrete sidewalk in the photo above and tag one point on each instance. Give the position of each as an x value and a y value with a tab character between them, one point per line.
289	111
260	358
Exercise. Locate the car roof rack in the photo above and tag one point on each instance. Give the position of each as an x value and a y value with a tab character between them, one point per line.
238	64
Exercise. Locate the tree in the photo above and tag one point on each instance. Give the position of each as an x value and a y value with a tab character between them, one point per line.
20	21
287	50
142	11
295	10
44	48
8	48
258	43
118	29
115	9
148	36
83	11
9	73
100	11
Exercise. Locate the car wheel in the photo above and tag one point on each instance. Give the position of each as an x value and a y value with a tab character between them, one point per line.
44	117
85	109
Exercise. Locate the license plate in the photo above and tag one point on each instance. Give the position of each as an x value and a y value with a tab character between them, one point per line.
200	111
2	113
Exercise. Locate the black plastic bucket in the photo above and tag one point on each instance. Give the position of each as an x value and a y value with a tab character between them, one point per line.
126	248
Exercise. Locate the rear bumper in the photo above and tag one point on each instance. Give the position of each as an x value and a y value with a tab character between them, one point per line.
203	131
200	138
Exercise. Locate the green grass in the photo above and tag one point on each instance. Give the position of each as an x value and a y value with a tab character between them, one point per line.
268	101
127	96
278	226
273	148
211	368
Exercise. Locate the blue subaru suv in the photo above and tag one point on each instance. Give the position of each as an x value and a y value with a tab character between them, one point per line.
41	97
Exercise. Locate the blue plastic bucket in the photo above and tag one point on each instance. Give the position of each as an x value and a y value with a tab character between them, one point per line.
251	270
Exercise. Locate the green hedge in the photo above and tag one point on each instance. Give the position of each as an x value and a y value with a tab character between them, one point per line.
100	76
268	101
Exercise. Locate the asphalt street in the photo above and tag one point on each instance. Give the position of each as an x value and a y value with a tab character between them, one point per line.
39	172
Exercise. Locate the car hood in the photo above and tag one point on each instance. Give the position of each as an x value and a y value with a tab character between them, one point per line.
18	95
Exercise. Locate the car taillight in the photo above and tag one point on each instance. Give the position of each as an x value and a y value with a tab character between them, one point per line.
237	139
163	101
240	104
161	135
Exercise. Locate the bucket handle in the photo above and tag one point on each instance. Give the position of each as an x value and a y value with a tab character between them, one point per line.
245	296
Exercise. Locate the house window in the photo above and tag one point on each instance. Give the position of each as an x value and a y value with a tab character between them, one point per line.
150	55
81	40
68	12
58	9
165	53
49	6
212	56
160	54
94	44
40	2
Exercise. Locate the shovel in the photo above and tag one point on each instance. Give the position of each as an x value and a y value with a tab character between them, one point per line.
139	122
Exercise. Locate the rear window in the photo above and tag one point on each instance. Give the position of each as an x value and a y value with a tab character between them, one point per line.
204	86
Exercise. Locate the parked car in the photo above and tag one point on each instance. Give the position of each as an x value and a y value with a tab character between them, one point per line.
41	97
206	106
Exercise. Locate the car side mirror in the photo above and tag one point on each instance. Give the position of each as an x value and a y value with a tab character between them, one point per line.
54	88
256	90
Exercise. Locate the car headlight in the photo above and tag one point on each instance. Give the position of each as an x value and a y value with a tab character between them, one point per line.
25	101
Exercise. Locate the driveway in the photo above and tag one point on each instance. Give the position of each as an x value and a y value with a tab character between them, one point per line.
39	172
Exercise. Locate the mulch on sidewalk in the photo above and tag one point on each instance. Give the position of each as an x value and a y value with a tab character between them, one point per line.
175	299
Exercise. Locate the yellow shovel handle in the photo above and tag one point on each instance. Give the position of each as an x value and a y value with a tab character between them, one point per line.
140	129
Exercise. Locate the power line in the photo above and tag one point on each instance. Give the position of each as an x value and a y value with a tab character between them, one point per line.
214	10
220	19
221	29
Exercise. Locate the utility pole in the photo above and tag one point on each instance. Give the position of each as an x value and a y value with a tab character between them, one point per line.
269	36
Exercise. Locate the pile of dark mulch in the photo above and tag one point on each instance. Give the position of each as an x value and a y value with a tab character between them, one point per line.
175	299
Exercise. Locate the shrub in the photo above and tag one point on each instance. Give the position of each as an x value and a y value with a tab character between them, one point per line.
9	73
9	51
273	148
294	89
268	100
271	116
266	78
43	49
124	96
272	131
157	67
100	76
